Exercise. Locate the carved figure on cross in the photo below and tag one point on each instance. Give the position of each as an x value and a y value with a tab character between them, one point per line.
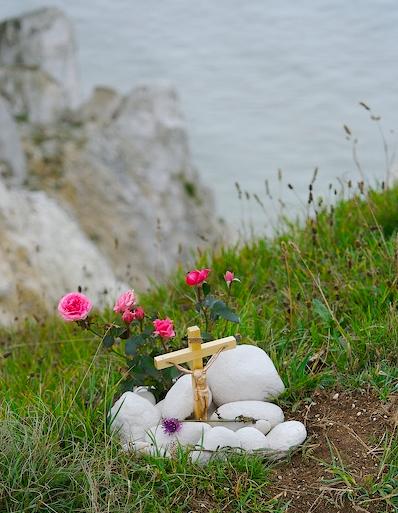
193	355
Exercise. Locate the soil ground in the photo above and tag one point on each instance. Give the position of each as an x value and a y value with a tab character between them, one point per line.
347	432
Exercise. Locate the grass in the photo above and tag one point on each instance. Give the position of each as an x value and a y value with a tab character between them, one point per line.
320	298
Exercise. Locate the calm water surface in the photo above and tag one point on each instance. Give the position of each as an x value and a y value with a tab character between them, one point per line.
264	85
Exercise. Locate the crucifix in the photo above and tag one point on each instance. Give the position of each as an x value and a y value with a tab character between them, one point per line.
193	355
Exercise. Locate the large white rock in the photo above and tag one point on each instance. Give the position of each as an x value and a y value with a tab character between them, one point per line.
251	439
244	373
12	158
191	433
257	410
284	437
43	40
159	406
217	443
43	255
131	416
178	402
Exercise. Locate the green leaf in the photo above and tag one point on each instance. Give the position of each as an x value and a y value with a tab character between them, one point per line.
206	288
117	331
132	344
148	365
108	340
321	310
209	301
220	309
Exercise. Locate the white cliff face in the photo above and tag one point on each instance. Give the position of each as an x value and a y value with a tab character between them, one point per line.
130	183
125	196
32	94
12	158
43	40
43	255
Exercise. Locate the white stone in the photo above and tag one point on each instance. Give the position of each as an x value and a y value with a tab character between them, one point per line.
191	433
44	255
12	158
43	40
251	439
256	410
178	402
131	416
159	406
244	373
144	391
213	443
284	437
264	426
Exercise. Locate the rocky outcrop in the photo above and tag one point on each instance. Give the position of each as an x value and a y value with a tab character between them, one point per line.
39	74
43	254
33	95
129	181
12	158
119	199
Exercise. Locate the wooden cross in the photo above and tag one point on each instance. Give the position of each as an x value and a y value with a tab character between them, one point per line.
193	355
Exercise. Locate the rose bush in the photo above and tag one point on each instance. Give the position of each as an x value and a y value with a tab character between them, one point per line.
136	337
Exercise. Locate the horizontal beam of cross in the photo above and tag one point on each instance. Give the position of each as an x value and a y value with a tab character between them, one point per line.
187	355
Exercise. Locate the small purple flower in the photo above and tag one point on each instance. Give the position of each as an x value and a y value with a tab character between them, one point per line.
171	426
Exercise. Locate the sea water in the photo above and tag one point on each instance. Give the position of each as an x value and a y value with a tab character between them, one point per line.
264	85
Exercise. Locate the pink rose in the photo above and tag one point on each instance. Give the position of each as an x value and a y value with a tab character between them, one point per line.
125	302
196	277
164	328
128	317
74	307
139	314
229	277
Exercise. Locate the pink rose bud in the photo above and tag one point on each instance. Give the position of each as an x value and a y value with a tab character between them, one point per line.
196	277
164	328
125	302
139	314
128	317
74	307
229	277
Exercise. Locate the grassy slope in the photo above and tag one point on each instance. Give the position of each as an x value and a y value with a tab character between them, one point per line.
322	301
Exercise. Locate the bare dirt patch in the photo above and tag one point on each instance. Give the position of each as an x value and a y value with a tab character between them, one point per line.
343	454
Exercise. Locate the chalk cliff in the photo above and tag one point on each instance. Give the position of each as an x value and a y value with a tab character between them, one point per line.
100	194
